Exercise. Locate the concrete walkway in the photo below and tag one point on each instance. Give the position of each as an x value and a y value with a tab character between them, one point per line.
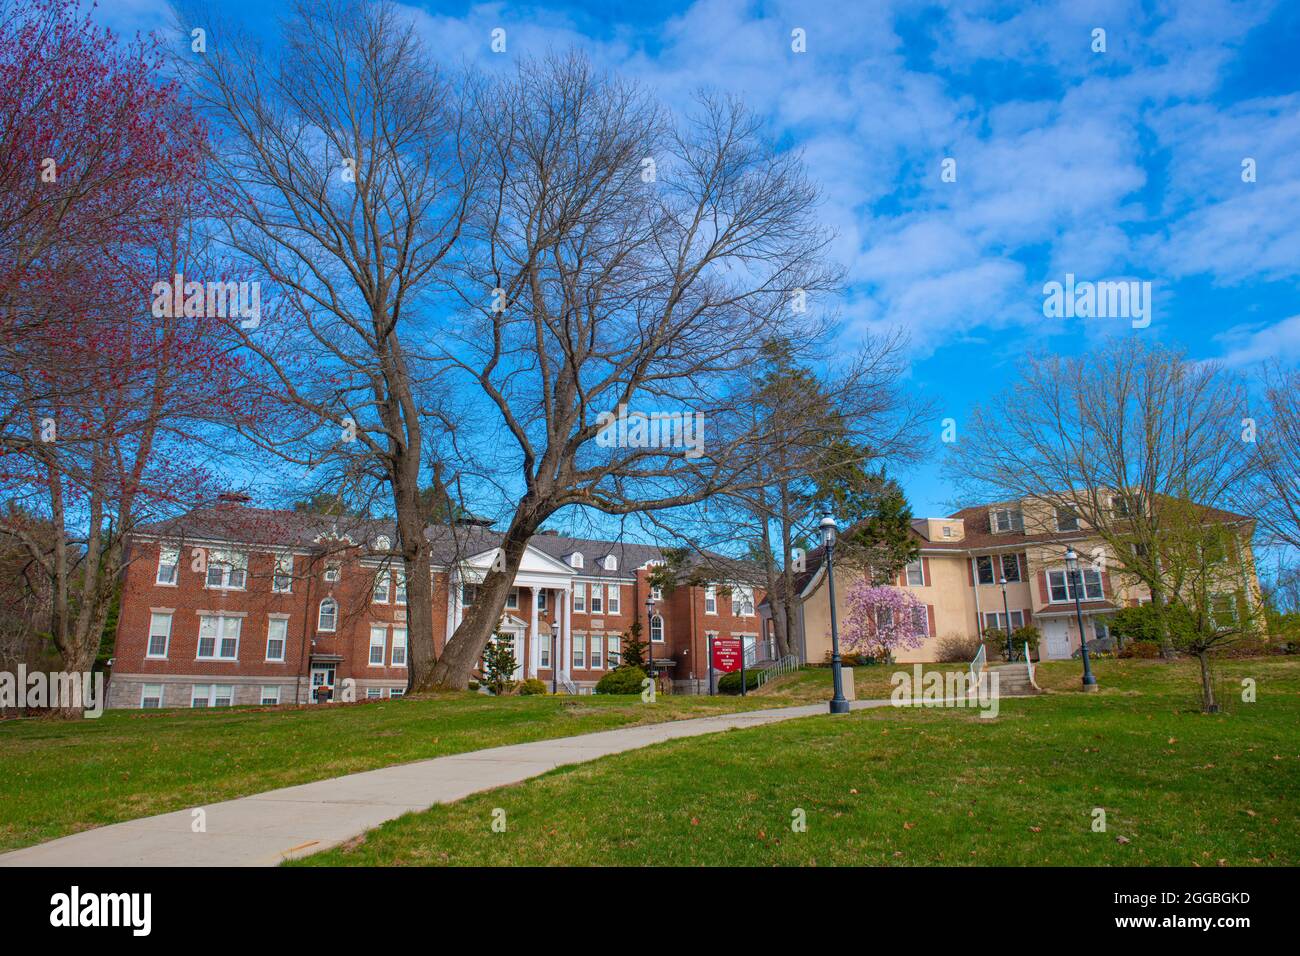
263	829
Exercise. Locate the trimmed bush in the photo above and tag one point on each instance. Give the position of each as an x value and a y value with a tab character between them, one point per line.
1146	650
957	649
730	683
622	680
532	686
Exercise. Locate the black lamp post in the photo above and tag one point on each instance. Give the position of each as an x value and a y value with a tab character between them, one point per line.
1072	567
839	705
555	657
650	635
1006	620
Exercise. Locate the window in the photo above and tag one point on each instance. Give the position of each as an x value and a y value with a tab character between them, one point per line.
544	650
1008	519
397	692
742	600
151	696
1223	611
270	696
378	641
656	594
219	637
657	629
1011	567
984	569
160	632
212	695
468	594
597	601
611	563
331	573
374	693
612	599
512	599
227	570
597	646
999	620
399	647
380	593
575	560
613	651
920	620
399	587
1066	520
916	574
169	560
711	599
1057	583
277	631
947	531
329	615
383	543
541	598
1119	505
884	617
580	650
580	599
282	579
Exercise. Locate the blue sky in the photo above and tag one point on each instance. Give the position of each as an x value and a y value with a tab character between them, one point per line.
1123	164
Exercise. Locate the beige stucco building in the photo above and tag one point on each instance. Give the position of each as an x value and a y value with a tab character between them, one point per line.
963	559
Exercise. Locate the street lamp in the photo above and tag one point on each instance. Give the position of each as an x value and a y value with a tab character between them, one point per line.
650	635
555	657
1006	619
1072	567
838	703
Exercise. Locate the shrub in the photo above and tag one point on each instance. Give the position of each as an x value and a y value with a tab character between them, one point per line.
730	683
621	680
957	648
1147	650
532	686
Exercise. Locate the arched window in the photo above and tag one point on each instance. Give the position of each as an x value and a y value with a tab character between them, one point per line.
329	614
611	563
657	629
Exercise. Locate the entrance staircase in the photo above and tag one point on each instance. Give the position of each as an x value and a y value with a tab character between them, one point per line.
1016	680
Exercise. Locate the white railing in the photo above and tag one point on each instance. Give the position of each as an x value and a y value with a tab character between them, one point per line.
977	665
1029	664
785	665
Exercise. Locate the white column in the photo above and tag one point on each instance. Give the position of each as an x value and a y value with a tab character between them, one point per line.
566	644
533	643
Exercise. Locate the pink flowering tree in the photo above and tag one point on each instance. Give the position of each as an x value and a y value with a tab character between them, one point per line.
881	618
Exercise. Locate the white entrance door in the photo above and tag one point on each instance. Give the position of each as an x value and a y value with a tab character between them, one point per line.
1056	641
321	676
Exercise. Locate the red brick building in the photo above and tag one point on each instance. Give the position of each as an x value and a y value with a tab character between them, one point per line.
242	605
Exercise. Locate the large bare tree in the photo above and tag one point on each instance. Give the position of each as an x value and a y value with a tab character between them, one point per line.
349	165
1275	492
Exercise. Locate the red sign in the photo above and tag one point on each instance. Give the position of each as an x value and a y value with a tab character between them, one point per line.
727	654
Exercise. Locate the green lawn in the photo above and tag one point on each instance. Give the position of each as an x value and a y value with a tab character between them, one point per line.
917	787
64	776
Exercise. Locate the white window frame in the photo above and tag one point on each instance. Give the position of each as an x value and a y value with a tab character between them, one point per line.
544	651
229	562
611	563
399	587
596	600
596	653
657	619
1015	565
175	566
924	623
919	566
263	694
210	700
613	599
284	641
220	639
1015	520
382	645
167	638
539	596
613	651
710	599
332	573
512	599
1074	518
1017	620
384	578
580	651
396	692
145	695
579	598
575	559
1068	585
395	647
374	693
278	572
747	593
320	615
468	594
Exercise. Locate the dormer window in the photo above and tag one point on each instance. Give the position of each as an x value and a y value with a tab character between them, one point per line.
1008	519
947	531
1066	520
1119	504
575	559
611	563
383	543
331	573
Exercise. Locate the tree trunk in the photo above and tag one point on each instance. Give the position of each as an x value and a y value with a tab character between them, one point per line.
1208	704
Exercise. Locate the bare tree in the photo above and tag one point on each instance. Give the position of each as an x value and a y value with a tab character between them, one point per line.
350	168
627	263
1275	492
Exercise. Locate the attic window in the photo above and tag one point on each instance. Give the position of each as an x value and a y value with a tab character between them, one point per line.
947	531
575	559
383	543
611	563
1007	519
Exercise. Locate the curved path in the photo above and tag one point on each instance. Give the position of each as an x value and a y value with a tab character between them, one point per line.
265	828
